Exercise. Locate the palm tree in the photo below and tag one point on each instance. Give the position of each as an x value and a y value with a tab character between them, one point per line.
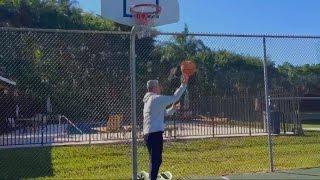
183	47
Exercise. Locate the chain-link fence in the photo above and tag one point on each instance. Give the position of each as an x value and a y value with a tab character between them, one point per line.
294	99
73	88
67	86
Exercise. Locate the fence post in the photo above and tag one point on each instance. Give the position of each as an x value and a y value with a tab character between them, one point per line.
133	102
250	116
90	136
208	120
267	103
214	114
42	131
174	128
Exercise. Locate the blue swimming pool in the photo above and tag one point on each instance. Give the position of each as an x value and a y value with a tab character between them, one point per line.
85	127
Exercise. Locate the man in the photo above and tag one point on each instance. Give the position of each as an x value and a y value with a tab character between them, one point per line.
153	124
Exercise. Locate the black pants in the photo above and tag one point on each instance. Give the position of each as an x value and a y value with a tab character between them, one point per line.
154	142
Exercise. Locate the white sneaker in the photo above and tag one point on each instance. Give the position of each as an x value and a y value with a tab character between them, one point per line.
143	175
166	176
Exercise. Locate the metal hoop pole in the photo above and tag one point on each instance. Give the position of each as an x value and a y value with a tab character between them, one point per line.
133	102
267	102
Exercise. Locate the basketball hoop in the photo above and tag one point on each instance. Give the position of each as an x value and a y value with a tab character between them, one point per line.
144	16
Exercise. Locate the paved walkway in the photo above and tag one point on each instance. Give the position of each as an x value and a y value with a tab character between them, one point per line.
311	173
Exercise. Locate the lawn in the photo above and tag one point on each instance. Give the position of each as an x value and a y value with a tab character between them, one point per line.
208	157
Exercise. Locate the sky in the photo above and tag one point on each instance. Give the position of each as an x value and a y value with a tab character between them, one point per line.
241	16
296	17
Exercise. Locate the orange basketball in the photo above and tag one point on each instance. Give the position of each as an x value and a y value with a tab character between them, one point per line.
188	67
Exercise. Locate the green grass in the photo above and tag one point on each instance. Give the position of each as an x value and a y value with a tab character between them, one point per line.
208	157
314	126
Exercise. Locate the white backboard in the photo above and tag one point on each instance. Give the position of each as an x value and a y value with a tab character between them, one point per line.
119	11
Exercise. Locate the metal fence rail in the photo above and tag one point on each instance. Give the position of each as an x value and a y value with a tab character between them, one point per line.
224	116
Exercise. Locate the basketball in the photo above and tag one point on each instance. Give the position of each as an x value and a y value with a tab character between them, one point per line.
188	67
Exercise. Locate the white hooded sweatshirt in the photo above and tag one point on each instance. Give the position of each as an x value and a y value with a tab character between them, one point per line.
155	109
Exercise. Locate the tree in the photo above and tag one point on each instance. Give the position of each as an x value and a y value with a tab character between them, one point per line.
219	72
50	14
304	78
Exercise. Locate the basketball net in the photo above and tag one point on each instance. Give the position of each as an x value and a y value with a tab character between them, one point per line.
144	16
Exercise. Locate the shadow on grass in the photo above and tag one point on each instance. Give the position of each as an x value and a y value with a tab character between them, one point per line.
25	163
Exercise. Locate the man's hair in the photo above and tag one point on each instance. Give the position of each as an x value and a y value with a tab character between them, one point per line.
152	84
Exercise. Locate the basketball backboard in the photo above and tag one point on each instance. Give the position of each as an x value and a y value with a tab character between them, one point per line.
119	11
